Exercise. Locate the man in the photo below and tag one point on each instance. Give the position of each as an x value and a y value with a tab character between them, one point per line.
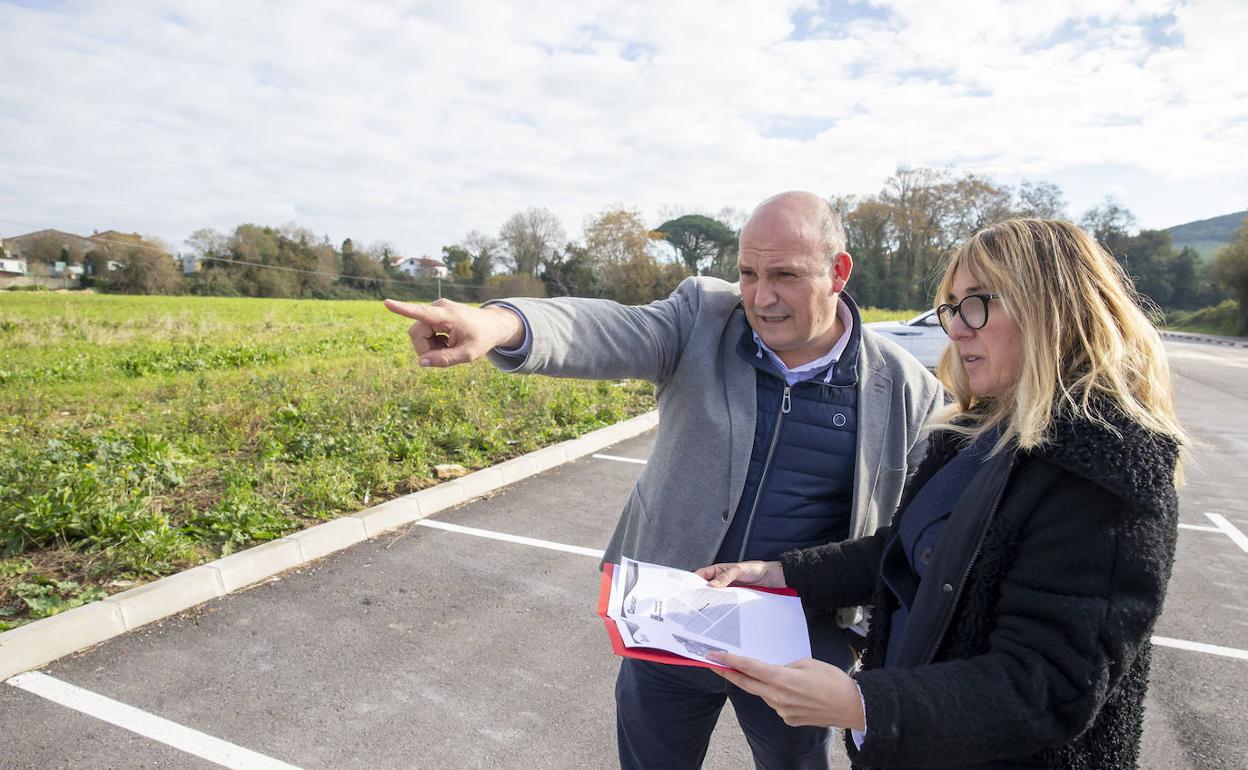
783	424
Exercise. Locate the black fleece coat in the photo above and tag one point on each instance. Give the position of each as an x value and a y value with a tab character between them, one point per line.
1045	661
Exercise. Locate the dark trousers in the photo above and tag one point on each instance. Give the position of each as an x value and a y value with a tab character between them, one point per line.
664	717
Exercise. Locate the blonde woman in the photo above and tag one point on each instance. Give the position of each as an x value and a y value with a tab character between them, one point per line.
1014	592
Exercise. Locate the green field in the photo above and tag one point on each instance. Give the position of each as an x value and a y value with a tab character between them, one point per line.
142	435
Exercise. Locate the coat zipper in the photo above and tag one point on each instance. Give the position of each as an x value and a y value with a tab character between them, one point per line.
786	404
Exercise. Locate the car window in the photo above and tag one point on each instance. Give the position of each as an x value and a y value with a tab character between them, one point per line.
927	319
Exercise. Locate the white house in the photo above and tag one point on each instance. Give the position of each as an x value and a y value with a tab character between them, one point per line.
422	267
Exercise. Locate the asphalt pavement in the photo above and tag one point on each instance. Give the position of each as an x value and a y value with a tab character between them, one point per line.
429	648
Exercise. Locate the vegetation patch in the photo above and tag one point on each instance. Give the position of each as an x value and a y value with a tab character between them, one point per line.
143	435
1222	319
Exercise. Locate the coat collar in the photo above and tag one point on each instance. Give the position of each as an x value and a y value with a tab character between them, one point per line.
1117	454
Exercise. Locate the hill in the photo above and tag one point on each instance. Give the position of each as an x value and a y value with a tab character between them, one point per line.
1207	235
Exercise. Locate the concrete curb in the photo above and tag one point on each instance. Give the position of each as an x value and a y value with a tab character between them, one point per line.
43	641
1212	339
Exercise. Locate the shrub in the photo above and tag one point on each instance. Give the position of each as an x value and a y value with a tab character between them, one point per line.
1222	319
499	286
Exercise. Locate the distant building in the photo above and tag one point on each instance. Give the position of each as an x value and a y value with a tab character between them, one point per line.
13	271
111	244
61	259
110	239
49	246
421	267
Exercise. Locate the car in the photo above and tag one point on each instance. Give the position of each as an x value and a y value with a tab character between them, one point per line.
921	335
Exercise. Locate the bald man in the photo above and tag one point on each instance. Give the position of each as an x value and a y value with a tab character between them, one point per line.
783	424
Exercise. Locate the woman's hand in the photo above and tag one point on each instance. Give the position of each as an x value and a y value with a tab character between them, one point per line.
807	692
769	574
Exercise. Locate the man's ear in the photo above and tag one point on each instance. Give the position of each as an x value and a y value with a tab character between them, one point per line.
842	266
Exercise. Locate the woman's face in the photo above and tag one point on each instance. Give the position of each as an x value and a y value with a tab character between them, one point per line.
993	354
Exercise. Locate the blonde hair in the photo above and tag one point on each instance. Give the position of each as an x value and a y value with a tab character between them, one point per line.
1087	345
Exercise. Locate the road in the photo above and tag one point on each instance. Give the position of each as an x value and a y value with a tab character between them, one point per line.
1197	702
431	648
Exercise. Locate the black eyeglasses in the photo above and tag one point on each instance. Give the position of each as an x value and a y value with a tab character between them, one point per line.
973	308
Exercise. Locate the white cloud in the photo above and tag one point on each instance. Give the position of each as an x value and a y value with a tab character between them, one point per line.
417	123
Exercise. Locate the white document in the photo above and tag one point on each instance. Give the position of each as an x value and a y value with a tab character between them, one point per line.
669	609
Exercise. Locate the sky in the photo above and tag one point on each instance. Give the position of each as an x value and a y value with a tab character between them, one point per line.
415	123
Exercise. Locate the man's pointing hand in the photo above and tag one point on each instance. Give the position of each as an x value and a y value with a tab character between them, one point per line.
447	333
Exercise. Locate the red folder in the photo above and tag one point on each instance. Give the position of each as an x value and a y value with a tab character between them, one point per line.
646	653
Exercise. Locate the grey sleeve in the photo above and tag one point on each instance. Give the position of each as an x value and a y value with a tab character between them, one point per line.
601	339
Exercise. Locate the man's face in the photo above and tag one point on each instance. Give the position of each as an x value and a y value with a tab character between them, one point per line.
788	288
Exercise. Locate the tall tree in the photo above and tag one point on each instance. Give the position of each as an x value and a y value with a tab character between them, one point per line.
214	277
361	270
620	249
734	217
207	242
868	237
974	203
256	249
146	268
920	203
616	236
315	261
1110	223
347	251
698	239
1230	269
1190	279
1043	200
1149	258
531	237
571	273
485	253
458	262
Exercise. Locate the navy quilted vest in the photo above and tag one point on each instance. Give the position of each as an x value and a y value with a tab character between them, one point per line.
799	488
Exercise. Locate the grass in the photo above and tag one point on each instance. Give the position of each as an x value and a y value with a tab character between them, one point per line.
1222	319
143	435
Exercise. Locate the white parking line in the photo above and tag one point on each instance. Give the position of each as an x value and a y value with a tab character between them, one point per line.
1211	649
1229	529
1199	528
618	459
435	524
149	726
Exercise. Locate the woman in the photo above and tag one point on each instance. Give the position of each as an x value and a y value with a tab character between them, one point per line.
1014	592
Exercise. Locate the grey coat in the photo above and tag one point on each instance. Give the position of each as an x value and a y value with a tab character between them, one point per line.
681	507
